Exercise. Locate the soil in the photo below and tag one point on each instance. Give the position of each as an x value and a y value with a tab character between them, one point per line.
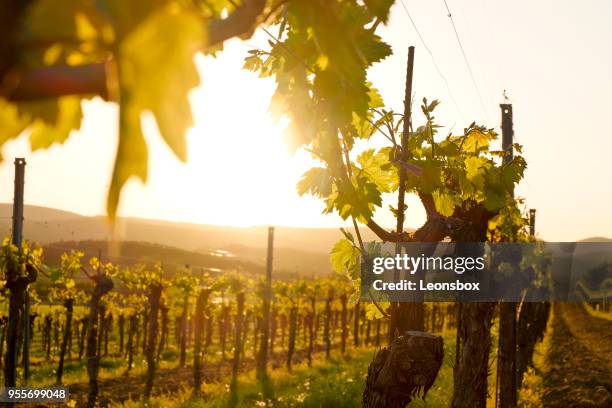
579	362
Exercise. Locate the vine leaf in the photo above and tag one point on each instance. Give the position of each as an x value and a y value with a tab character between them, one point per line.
155	75
316	181
380	8
345	258
445	203
11	123
67	117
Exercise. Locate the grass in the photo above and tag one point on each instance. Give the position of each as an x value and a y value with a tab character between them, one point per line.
597	313
337	383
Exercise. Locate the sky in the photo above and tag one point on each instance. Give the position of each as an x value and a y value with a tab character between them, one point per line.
552	57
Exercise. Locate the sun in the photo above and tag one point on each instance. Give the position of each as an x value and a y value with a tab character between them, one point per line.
239	171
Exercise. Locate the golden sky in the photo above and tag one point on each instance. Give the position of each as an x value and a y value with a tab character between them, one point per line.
552	57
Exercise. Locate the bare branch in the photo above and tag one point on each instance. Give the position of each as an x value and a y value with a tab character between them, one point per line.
240	22
55	81
88	274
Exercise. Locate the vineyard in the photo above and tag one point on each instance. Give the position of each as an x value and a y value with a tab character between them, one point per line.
185	338
150	111
157	334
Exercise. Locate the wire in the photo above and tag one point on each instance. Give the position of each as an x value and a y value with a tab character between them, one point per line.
433	59
467	62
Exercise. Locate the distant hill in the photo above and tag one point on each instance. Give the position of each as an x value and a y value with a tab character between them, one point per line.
301	251
293	261
596	239
48	225
131	253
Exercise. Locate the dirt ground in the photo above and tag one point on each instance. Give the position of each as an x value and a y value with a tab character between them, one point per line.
579	362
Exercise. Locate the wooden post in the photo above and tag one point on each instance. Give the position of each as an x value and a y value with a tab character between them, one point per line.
17	285
18	202
405	316
262	356
410	364
532	220
507	127
506	368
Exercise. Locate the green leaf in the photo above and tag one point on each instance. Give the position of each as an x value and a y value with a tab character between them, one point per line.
431	176
316	181
132	155
380	8
156	73
373	313
11	123
358	199
475	168
372	163
345	258
376	100
68	117
512	172
494	200
160	70
253	63
445	203
477	139
372	47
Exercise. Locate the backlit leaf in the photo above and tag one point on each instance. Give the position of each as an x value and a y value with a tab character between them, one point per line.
445	203
345	257
156	73
68	117
316	181
380	8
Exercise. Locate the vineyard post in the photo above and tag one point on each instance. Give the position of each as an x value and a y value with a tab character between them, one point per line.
532	219
18	209
262	357
405	315
506	369
18	289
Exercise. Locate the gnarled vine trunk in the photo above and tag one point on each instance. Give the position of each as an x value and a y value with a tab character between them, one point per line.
68	304
327	323
199	317
532	321
237	347
472	362
154	296
404	370
103	285
292	334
